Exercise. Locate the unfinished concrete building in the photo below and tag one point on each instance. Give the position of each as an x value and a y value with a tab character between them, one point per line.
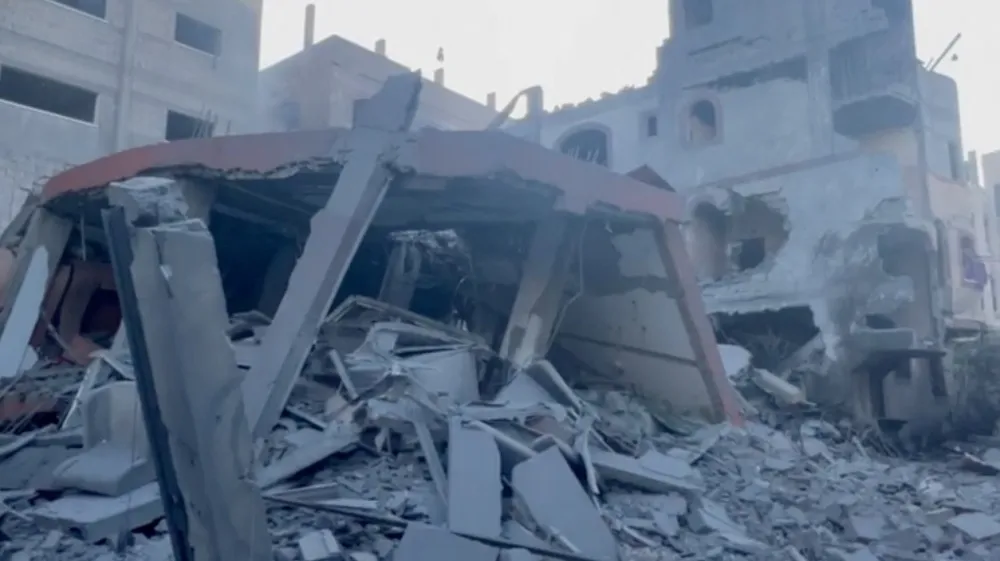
319	86
828	200
84	78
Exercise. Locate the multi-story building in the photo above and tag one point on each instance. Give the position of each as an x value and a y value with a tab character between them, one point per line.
318	86
829	201
83	78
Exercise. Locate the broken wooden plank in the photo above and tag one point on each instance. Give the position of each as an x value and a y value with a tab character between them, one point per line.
336	231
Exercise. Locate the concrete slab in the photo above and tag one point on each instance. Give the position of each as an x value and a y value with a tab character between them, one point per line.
305	457
422	542
554	498
107	469
976	525
183	316
518	555
112	413
32	467
321	545
94	518
653	471
474	481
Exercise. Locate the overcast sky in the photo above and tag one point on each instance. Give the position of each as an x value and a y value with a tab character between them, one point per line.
579	48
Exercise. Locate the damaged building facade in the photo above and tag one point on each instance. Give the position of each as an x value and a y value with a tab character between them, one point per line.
449	287
83	78
320	85
829	204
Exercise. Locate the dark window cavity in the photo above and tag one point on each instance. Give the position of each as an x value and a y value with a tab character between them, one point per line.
703	126
96	8
197	35
45	94
698	13
652	126
181	126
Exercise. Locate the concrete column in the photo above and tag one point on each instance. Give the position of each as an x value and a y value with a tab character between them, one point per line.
335	234
540	295
184	320
814	19
126	67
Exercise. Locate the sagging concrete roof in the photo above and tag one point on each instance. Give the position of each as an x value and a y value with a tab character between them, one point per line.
579	188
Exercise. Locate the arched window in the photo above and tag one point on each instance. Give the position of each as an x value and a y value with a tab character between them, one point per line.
589	145
703	123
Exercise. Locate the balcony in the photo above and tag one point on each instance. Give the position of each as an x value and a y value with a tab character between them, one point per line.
871	81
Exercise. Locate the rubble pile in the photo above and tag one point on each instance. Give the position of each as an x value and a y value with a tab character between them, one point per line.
977	399
392	447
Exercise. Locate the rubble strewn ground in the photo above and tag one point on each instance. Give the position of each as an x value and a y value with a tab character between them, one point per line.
396	438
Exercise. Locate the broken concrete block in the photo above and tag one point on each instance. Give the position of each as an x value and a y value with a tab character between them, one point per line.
301	458
320	546
93	518
667	524
515	532
709	516
784	391
652	471
522	390
112	413
976	525
866	527
863	554
302	437
553	497
735	360
422	542
107	469
475	488
31	468
517	555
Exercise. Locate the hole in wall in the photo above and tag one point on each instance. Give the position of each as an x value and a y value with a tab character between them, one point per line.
749	254
589	145
771	336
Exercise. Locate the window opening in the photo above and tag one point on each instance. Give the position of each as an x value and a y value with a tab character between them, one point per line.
45	94
181	126
96	8
197	35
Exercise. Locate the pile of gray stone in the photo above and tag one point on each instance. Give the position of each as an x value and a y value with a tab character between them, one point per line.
402	455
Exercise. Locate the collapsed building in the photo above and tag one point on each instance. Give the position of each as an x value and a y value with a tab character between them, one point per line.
471	266
372	344
830	213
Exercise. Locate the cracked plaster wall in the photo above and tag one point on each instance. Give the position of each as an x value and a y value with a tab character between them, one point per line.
629	330
835	213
